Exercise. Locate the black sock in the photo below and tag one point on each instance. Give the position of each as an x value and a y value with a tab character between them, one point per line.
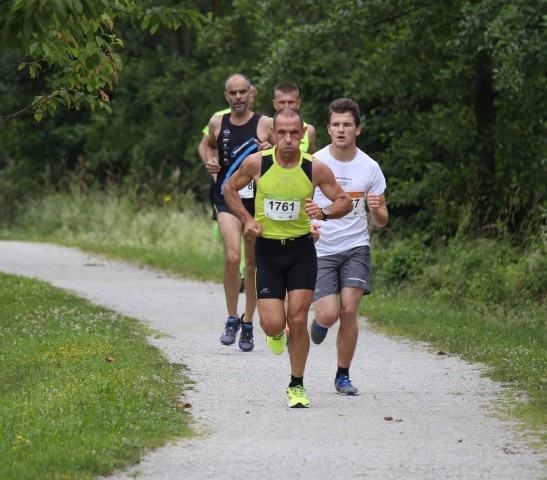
247	325
296	381
342	371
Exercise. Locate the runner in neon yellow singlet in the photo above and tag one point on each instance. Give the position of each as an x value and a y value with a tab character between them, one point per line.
286	262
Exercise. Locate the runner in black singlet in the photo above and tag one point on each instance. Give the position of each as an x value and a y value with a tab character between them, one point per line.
230	139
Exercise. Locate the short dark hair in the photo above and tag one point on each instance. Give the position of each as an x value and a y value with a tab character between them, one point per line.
286	87
343	105
290	112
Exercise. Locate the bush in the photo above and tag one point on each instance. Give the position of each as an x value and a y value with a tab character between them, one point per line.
401	262
493	273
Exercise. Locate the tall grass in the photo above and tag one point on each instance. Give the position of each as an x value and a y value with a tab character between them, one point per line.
174	236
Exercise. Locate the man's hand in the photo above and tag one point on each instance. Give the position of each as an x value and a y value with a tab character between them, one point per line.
312	210
252	229
263	145
315	232
378	209
212	166
374	201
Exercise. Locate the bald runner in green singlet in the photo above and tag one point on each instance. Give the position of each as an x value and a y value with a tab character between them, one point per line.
286	261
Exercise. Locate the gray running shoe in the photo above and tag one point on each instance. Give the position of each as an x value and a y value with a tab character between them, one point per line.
343	386
317	332
230	331
246	342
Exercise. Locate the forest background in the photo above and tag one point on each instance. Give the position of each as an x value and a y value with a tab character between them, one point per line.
452	94
108	98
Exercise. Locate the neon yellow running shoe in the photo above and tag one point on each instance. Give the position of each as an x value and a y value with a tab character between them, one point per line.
297	397
277	343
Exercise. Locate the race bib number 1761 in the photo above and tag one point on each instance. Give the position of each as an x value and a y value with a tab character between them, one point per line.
282	207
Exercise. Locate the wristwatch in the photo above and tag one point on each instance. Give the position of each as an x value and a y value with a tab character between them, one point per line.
326	212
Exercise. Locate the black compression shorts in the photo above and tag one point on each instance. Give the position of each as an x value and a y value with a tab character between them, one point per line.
220	204
284	265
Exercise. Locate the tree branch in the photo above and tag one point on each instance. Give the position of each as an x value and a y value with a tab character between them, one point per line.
29	108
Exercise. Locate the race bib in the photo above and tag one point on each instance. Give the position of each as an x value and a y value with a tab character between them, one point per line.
248	191
358	201
282	207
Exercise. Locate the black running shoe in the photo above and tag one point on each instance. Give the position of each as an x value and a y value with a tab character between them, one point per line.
246	342
230	331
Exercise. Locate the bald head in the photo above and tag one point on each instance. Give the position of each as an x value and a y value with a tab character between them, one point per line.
238	77
288	113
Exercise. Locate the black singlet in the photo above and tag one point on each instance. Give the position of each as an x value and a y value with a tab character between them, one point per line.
234	143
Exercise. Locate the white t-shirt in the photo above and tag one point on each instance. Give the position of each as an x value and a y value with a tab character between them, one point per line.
357	177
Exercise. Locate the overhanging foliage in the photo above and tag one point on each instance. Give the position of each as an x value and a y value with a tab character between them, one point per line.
451	92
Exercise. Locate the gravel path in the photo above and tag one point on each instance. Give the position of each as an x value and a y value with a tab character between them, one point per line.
442	424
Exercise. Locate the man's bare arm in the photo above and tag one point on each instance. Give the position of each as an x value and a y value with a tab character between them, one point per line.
248	171
265	132
202	152
378	209
324	179
210	145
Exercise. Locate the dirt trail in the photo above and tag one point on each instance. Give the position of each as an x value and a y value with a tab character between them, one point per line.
442	425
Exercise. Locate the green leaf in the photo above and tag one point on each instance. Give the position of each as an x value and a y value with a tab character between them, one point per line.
145	22
155	25
33	47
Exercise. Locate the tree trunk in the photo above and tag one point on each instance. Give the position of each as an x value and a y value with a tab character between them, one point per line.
485	117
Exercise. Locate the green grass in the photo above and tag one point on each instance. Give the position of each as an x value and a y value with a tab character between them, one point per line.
514	353
82	392
162	237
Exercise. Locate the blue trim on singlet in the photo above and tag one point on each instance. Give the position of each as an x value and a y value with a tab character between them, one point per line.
236	164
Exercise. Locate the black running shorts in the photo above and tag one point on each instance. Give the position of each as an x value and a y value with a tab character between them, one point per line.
220	204
284	265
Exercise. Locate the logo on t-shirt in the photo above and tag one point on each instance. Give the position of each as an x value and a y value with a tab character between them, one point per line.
236	151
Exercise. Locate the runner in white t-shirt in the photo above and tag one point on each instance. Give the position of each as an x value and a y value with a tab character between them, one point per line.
344	266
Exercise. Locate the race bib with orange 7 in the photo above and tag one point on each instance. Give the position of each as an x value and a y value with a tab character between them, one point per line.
358	201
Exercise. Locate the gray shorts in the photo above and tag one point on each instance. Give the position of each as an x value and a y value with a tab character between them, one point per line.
351	268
